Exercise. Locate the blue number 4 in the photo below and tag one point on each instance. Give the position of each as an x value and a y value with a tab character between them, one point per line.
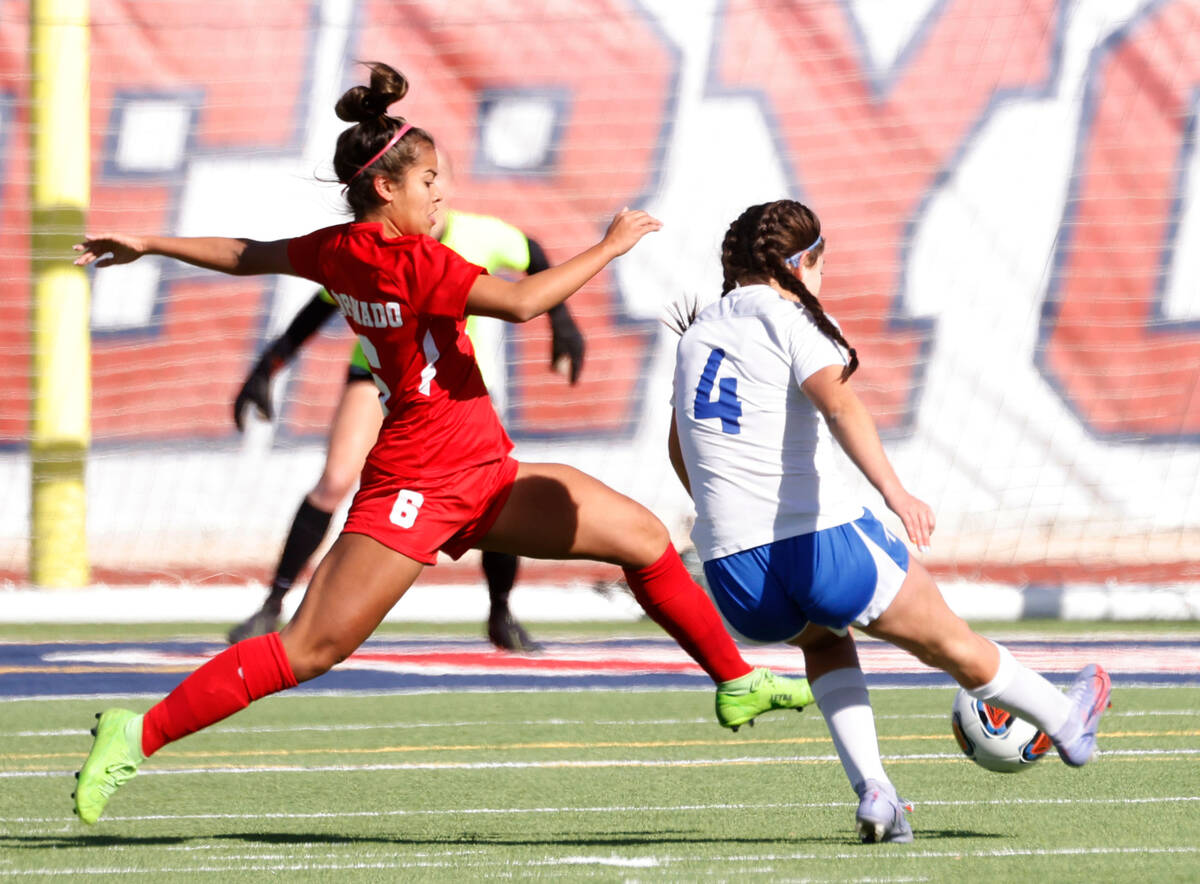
726	406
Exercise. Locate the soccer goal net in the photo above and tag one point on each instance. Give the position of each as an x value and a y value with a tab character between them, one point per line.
1006	191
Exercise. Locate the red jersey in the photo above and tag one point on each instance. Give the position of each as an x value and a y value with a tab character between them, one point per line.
406	300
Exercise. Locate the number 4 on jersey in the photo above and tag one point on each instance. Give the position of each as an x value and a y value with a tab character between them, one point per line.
726	406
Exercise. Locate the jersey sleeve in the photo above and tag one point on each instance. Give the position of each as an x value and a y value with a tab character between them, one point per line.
305	252
443	280
810	349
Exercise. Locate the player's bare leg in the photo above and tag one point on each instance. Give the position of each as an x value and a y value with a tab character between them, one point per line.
557	512
920	621
355	426
354	587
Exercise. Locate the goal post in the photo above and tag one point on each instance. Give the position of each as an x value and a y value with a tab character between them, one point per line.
60	404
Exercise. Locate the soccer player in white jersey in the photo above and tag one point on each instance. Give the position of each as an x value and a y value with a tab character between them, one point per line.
761	394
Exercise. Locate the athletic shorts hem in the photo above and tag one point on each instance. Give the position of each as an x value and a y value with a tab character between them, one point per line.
891	578
394	547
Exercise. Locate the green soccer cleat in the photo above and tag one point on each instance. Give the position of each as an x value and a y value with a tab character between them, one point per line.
740	701
113	761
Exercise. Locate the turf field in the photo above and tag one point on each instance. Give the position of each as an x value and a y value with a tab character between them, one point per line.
569	780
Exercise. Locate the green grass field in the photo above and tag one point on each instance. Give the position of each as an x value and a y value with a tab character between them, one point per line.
595	786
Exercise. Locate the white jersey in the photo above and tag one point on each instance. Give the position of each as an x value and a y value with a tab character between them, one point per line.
760	459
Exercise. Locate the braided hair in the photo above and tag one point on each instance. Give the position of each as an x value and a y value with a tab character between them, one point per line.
367	107
756	248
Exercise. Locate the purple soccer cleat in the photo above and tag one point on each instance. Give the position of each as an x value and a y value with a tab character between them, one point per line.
1089	693
880	817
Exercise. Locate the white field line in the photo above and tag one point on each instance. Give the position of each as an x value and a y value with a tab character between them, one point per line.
646	862
544	722
1001	852
699	687
1169	754
722	807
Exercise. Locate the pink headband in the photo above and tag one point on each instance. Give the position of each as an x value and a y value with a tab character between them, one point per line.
400	133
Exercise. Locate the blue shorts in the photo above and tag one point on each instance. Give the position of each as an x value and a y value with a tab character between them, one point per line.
837	577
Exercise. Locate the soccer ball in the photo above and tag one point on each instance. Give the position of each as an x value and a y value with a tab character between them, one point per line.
993	738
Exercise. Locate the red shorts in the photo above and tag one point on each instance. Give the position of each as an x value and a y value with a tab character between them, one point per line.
418	517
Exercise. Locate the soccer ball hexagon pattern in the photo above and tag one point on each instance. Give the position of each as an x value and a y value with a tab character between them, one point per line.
995	739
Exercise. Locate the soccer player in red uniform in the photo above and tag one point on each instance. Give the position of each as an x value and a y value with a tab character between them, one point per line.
481	239
440	475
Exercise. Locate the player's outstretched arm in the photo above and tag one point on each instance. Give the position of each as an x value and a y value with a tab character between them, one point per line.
532	296
852	426
238	257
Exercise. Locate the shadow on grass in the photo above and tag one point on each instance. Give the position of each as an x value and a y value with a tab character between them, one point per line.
474	839
605	839
41	842
936	834
595	839
599	839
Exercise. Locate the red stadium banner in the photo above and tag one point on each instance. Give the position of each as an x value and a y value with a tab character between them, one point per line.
1127	369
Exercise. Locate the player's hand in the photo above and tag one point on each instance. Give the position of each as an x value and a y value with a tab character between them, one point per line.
629	226
566	346
916	515
120	249
256	391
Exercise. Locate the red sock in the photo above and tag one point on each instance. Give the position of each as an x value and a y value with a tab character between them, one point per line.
226	684
673	600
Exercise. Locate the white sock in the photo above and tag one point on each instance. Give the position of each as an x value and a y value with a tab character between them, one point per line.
843	700
1021	691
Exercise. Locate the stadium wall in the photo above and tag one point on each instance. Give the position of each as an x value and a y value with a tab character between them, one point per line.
1007	190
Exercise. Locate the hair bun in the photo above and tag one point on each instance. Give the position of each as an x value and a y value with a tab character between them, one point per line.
360	104
376	103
